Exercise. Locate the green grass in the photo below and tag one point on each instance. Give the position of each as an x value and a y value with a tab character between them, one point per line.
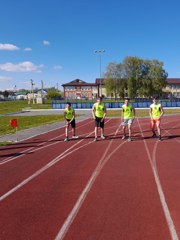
17	106
25	122
140	112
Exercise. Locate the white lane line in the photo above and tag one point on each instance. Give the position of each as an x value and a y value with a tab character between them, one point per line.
66	225
41	170
47	166
165	208
24	152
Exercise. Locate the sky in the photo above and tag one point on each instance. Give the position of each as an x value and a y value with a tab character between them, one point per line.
54	41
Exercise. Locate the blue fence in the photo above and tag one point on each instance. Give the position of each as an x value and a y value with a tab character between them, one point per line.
88	105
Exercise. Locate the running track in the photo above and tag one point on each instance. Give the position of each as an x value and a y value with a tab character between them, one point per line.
84	190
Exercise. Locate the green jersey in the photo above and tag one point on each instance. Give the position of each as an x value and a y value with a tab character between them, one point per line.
127	110
69	113
156	110
99	110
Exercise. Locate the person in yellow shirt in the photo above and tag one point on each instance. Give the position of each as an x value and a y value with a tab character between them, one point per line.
156	112
99	113
69	116
128	115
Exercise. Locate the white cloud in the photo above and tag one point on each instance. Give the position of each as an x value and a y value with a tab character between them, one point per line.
21	67
46	43
4	79
28	49
57	67
9	47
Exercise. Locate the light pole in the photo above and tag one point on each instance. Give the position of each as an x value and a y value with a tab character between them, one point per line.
31	92
100	84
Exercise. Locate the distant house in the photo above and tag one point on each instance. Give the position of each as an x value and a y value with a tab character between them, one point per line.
78	89
21	96
37	94
172	88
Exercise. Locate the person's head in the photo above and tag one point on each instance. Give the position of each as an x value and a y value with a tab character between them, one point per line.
68	105
99	100
155	99
126	100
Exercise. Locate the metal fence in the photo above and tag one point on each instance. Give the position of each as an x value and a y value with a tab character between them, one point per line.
88	105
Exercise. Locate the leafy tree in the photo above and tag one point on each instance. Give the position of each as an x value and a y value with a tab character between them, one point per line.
6	94
135	77
114	83
53	93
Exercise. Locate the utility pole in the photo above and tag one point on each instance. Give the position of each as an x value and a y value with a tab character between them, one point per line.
100	84
31	92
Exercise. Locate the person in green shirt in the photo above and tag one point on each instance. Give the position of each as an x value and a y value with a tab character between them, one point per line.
128	115
69	116
156	112
99	113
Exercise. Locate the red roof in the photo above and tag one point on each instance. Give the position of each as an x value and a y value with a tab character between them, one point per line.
78	82
173	80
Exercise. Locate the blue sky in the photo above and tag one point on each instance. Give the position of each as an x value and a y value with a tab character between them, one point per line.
54	41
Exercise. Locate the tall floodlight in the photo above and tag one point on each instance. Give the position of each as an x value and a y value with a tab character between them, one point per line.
100	82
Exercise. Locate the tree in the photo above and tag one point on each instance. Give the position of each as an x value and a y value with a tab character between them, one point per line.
6	94
136	76
133	74
53	93
113	80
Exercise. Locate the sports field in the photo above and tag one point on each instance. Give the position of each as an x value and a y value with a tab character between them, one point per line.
85	190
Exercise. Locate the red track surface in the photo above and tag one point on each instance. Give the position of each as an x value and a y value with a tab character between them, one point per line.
108	190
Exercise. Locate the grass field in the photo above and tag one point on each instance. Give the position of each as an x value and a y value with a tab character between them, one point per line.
142	112
25	122
17	106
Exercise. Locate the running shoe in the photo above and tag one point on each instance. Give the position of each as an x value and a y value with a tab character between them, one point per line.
66	139
159	138
129	139
95	140
75	137
154	135
102	137
123	137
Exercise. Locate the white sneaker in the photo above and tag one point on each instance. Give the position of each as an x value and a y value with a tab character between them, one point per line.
102	137
75	137
129	139
66	139
123	137
95	140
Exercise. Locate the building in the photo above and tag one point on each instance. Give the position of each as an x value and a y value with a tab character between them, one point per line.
172	89
79	89
37	96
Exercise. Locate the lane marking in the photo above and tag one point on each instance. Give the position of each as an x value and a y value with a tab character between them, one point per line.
47	166
22	153
41	170
165	208
70	218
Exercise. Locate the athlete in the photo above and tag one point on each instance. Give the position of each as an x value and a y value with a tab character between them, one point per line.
69	116
128	115
156	112
99	113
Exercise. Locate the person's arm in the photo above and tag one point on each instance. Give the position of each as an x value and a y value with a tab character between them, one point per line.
150	112
73	116
162	112
105	112
134	112
122	115
64	115
66	122
93	111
